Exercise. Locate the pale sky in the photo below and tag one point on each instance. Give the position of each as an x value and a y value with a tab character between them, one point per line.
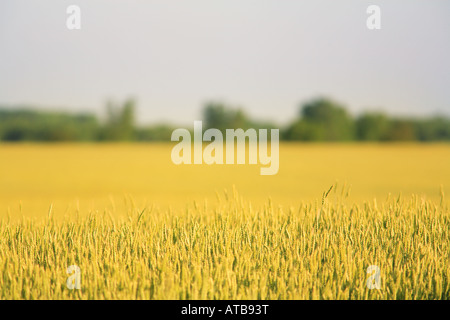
267	56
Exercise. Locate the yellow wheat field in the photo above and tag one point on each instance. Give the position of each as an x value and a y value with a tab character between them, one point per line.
140	227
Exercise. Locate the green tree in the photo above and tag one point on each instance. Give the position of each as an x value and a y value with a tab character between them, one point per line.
372	127
32	125
401	130
322	120
119	122
219	116
434	129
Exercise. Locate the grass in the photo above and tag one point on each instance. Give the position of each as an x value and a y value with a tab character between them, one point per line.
228	246
234	251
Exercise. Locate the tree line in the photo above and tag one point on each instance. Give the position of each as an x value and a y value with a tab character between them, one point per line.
320	119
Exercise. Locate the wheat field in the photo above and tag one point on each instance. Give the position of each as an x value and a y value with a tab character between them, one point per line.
139	227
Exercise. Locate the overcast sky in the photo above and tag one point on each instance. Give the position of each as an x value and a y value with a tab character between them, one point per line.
264	55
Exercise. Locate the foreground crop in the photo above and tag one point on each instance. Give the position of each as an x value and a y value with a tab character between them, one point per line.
320	250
